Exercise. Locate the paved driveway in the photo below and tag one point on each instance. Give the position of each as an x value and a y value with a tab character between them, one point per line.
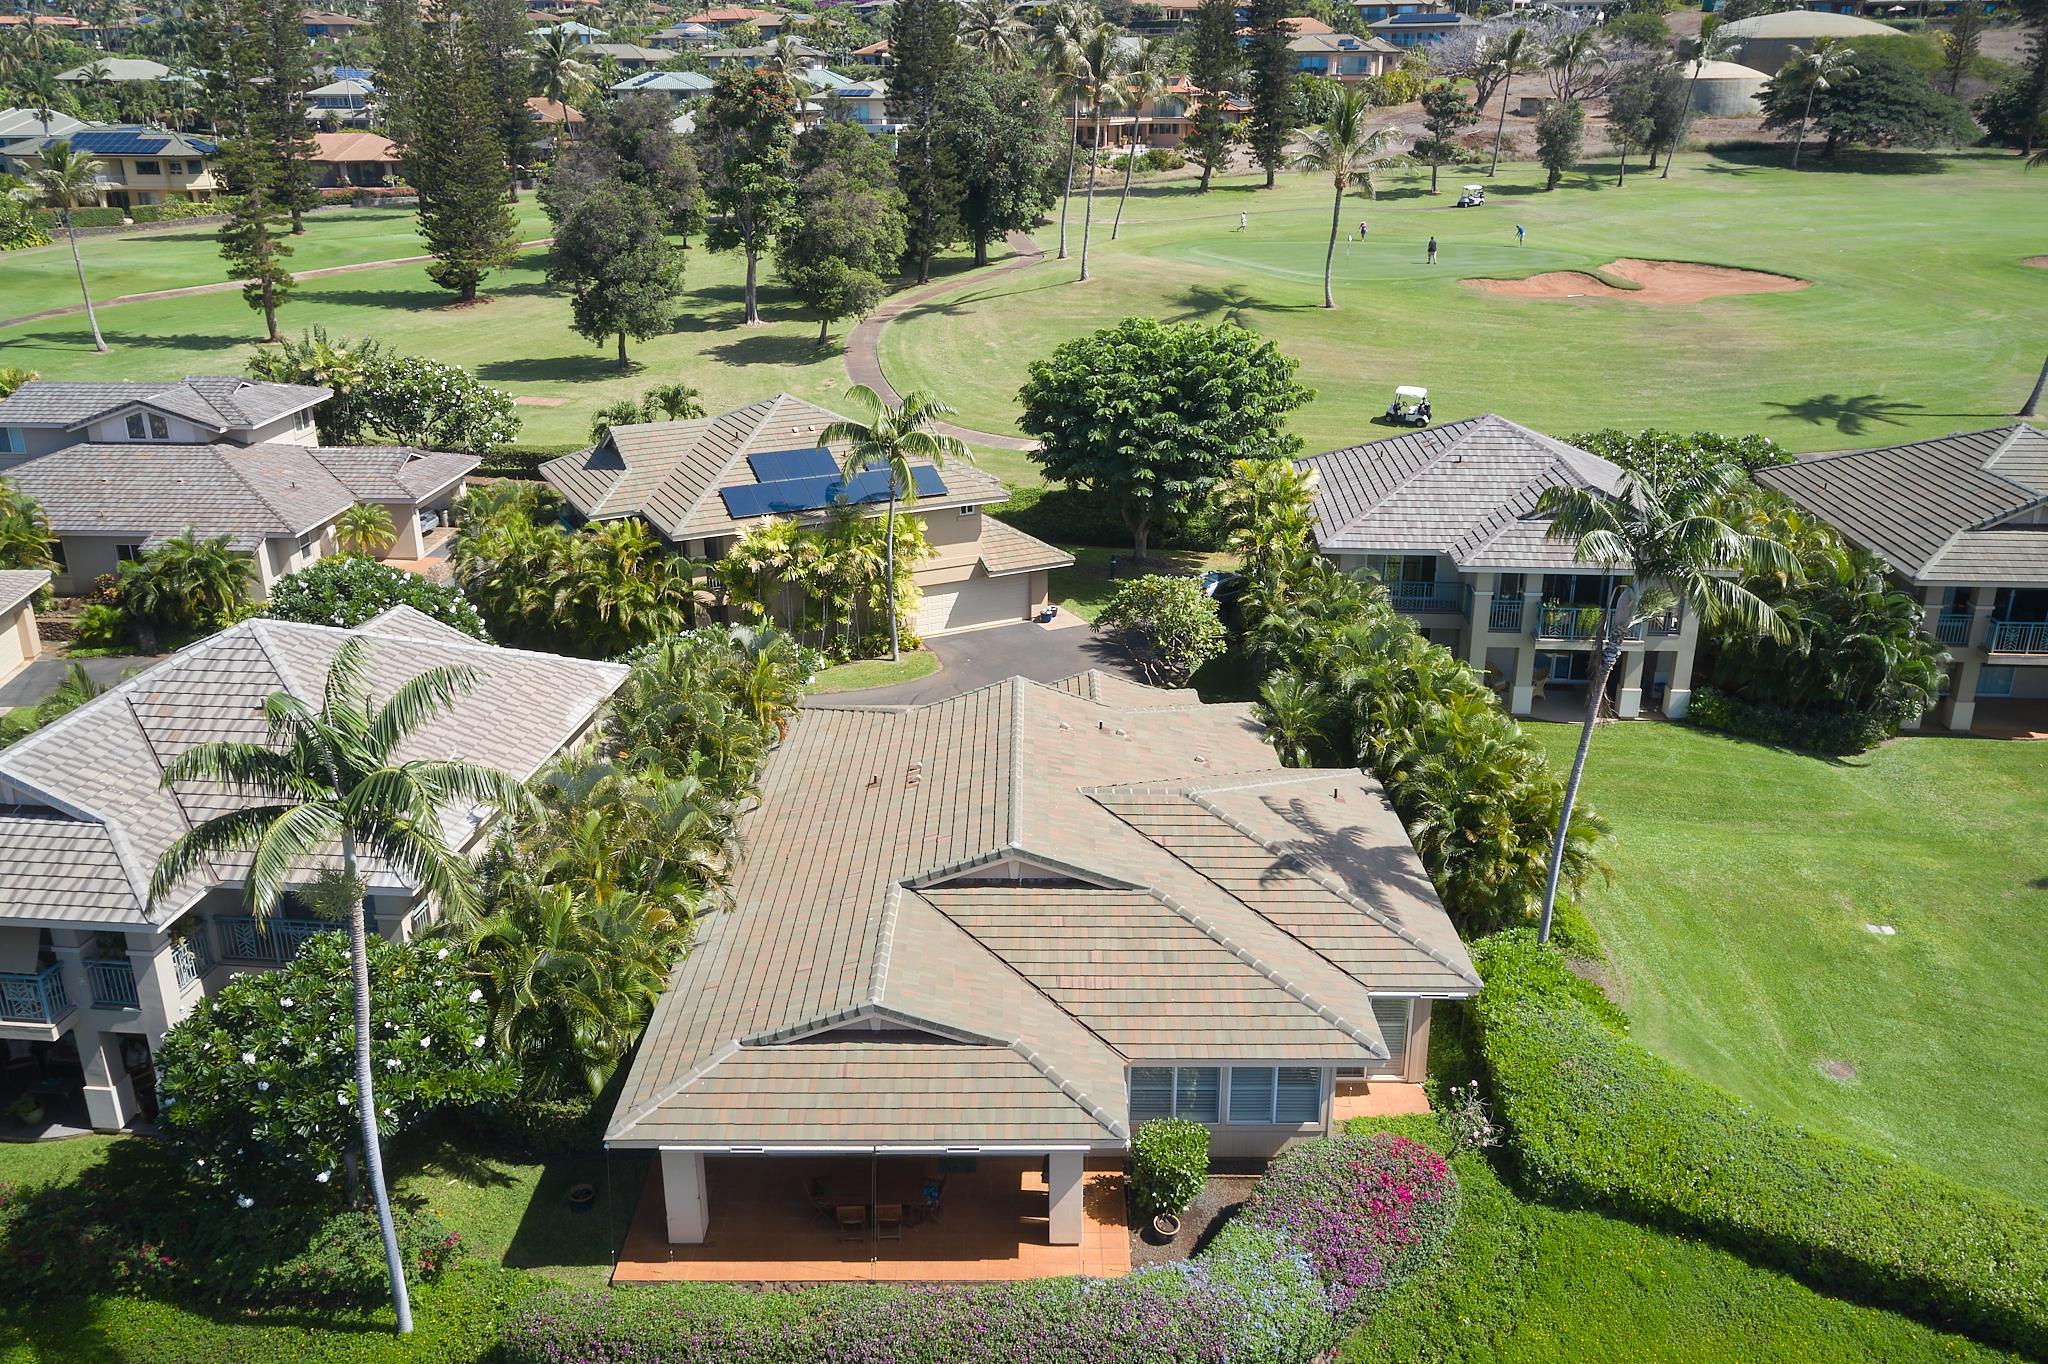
29	686
979	657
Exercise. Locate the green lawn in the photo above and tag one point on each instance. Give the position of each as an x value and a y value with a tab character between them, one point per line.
1919	322
875	672
1735	923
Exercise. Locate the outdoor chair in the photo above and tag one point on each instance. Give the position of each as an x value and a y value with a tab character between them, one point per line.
815	1195
888	1221
933	1189
853	1222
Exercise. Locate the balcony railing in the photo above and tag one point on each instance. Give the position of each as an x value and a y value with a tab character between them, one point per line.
1505	616
276	940
1952	627
1666	625
112	984
1557	621
2019	637
1426	597
192	956
33	997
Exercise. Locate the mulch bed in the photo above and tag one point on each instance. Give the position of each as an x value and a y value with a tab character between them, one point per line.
1219	1200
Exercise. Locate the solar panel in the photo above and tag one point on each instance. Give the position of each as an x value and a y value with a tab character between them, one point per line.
786	496
774	466
117	143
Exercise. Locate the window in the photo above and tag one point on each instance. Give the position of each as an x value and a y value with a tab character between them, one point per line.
57	556
127	554
1191	1092
967	511
12	442
149	168
1282	1095
135	431
308	540
159	429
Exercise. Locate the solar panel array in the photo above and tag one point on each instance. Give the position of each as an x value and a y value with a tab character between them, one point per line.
119	143
786	496
775	466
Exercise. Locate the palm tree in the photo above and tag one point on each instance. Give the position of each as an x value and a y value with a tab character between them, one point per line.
185	582
1826	63
24	530
1713	45
331	777
675	402
365	529
557	68
63	179
1095	67
618	412
1144	81
1343	146
41	91
1056	44
892	439
617	586
991	27
1508	58
1665	527
1572	60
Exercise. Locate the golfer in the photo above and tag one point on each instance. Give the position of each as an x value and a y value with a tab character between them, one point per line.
1361	229
1432	250
1520	232
1243	221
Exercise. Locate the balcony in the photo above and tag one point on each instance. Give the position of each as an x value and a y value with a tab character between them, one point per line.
1578	624
1427	598
1663	627
192	957
2018	637
1952	627
33	997
112	984
1505	616
273	941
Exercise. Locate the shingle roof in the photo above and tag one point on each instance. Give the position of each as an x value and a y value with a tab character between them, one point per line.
1935	508
1224	908
223	402
92	815
669	474
393	473
1466	489
17	585
1004	549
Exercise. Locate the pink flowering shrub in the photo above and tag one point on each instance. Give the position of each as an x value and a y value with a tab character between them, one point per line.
1367	1211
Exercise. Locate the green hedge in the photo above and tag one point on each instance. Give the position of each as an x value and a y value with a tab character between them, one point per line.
81	217
1598	1121
1807	730
524	461
1169	1164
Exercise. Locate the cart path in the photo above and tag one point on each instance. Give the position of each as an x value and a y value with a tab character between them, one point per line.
222	286
863	344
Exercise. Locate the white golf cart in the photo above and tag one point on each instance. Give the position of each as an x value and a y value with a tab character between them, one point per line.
1410	406
1474	196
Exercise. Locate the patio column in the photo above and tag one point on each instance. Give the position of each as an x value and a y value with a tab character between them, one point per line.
1063	1198
109	1096
682	1186
1481	627
1628	697
1959	711
1522	696
1678	692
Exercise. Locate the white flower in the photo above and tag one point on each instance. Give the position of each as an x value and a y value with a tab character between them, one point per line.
341	1098
286	1002
391	1064
441	955
263	1086
248	1058
426	1042
244	1201
323	1176
475	995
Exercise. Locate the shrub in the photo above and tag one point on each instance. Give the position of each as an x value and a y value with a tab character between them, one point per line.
1168	625
1598	1121
51	219
415	401
1368	1212
19	227
1810	731
1169	1164
348	590
102	625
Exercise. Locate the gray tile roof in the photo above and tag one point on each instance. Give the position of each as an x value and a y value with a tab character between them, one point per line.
1941	511
90	816
394	473
669	473
1224	908
1004	549
1466	489
17	585
223	402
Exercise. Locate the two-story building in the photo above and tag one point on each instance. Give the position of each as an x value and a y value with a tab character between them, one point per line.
1446	516
865	103
346	98
1420	28
120	468
1343	57
134	166
93	973
701	484
1963	521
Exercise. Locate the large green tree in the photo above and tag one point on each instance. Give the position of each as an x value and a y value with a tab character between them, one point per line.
456	160
329	780
846	236
1445	111
1150	414
1560	138
505	43
1270	66
632	140
286	76
745	137
1871	96
623	277
1214	61
924	44
1003	135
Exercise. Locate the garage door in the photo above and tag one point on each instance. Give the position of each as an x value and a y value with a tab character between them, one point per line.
978	601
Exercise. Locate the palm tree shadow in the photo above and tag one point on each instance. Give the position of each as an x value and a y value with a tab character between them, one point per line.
1200	302
1852	416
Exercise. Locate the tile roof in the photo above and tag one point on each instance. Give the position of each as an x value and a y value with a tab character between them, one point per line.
1004	549
223	402
1942	511
353	147
669	474
393	473
17	585
1223	908
1466	489
87	814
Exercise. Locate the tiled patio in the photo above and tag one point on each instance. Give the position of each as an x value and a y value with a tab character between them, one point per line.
1377	1099
764	1230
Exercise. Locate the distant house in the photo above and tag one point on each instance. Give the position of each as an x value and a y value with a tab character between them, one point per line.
363	160
1162	122
701	484
1963	521
1372	11
1298	25
20	645
631	56
866	103
752	57
552	113
135	165
1343	56
677	87
326	24
1421	28
121	467
684	35
1156	17
120	70
874	54
583	34
765	21
347	99
22	133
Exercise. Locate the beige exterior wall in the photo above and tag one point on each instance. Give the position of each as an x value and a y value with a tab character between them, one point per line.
281	557
86	557
19	644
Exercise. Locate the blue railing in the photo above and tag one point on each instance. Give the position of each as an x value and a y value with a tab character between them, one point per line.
1670	623
1505	616
2019	637
1952	627
1426	597
112	984
33	997
192	955
275	940
1587	622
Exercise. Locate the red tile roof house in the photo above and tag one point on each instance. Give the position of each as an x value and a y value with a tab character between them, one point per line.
979	941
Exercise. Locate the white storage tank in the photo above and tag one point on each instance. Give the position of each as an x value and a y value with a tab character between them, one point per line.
1726	89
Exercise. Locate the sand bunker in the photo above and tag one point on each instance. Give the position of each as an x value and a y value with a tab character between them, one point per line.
2038	262
1662	281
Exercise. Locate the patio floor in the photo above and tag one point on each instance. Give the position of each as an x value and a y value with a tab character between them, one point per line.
763	1230
1378	1099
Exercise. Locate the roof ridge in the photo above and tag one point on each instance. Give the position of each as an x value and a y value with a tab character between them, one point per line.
885	943
219	453
1013	814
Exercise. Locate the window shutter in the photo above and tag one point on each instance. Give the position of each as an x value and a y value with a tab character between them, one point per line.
1300	1095
1251	1094
1151	1093
1198	1094
1392	1016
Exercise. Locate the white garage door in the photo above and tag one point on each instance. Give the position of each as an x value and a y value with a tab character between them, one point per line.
978	601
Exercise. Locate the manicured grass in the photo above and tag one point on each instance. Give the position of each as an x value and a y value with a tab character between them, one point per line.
1917	323
875	672
1087	587
1735	924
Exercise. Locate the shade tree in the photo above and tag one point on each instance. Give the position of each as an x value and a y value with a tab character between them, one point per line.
847	233
612	253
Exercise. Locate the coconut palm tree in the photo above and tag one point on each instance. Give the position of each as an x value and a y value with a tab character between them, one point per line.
674	402
1056	44
24	530
1828	61
63	179
992	28
893	438
39	89
1713	45
1665	528
331	779
557	68
1143	81
1572	61
365	529
1096	66
1507	59
1342	147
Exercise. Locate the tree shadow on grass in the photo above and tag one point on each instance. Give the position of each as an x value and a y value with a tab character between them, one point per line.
553	1235
1900	162
154	340
771	348
1198	302
550	369
1850	415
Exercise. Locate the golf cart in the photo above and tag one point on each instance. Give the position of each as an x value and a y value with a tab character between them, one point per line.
1410	406
1473	197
